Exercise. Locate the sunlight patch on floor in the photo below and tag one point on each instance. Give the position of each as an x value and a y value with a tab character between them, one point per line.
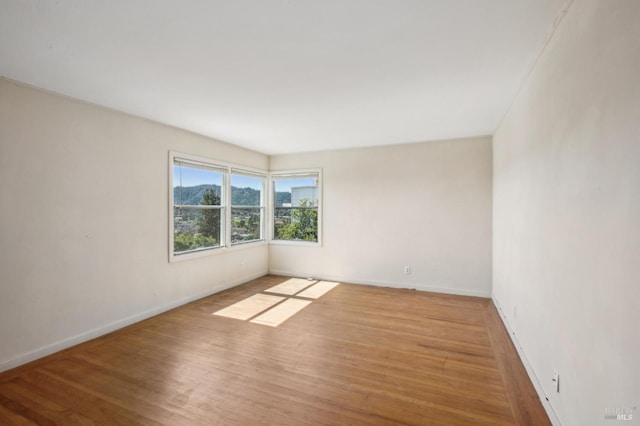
250	307
291	286
272	310
282	312
317	290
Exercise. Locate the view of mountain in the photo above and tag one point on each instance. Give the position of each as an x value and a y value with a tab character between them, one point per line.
282	198
192	195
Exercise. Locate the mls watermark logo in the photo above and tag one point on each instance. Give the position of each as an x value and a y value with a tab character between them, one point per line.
619	413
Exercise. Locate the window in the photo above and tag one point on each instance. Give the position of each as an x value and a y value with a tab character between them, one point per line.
197	206
296	206
247	207
213	206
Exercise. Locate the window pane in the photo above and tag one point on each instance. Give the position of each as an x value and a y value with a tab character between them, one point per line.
194	186
196	229
246	190
246	224
296	208
296	192
296	223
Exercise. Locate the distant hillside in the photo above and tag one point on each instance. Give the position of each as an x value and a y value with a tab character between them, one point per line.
282	197
192	195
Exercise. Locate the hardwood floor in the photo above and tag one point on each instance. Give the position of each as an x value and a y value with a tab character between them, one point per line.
357	355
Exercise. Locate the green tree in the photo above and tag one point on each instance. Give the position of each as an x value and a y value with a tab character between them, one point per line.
304	223
209	222
184	242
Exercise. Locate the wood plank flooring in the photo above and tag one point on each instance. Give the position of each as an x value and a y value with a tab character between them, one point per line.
358	355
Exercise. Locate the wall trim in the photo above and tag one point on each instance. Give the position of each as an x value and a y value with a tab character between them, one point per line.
546	403
378	283
52	348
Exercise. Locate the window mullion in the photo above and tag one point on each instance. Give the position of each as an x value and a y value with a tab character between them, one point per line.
227	210
263	203
197	207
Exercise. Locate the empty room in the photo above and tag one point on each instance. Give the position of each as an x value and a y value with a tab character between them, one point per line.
283	212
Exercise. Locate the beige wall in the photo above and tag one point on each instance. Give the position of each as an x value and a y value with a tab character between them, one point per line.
84	220
425	205
567	214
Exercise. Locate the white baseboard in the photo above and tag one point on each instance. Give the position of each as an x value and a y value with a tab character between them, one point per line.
523	357
356	280
116	325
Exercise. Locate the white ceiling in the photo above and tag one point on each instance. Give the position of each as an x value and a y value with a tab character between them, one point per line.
283	76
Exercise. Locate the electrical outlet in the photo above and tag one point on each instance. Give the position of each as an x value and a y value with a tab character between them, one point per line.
556	380
407	270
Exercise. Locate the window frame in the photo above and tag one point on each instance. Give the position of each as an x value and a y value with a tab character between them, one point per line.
227	169
235	171
292	174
